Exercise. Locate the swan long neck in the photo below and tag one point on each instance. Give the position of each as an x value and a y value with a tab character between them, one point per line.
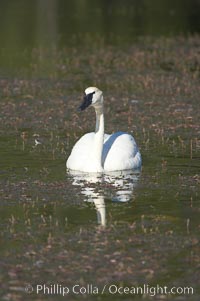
99	135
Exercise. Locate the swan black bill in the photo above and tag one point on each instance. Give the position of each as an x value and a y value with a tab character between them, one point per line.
87	100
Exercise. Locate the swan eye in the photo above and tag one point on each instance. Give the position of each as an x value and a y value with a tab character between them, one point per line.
90	94
86	101
88	97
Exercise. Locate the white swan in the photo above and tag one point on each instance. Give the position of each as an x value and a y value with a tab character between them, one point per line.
99	152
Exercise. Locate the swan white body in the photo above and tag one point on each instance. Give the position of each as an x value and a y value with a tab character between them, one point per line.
99	152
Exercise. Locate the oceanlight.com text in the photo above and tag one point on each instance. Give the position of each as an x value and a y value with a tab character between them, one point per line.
111	289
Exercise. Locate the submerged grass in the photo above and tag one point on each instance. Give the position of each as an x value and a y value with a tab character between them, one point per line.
49	233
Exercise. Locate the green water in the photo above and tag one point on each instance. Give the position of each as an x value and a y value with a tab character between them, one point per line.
123	229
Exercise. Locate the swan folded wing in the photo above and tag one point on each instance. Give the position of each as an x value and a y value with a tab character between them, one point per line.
120	152
80	158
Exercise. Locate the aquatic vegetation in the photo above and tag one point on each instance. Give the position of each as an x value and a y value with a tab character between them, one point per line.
49	228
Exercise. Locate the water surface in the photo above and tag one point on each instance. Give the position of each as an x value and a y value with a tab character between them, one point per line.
125	229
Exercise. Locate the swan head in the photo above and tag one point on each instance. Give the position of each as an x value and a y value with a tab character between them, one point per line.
93	96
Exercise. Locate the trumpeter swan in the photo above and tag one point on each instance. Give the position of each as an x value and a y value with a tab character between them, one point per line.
99	152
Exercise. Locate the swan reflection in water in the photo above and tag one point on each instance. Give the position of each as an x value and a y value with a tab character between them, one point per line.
117	186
